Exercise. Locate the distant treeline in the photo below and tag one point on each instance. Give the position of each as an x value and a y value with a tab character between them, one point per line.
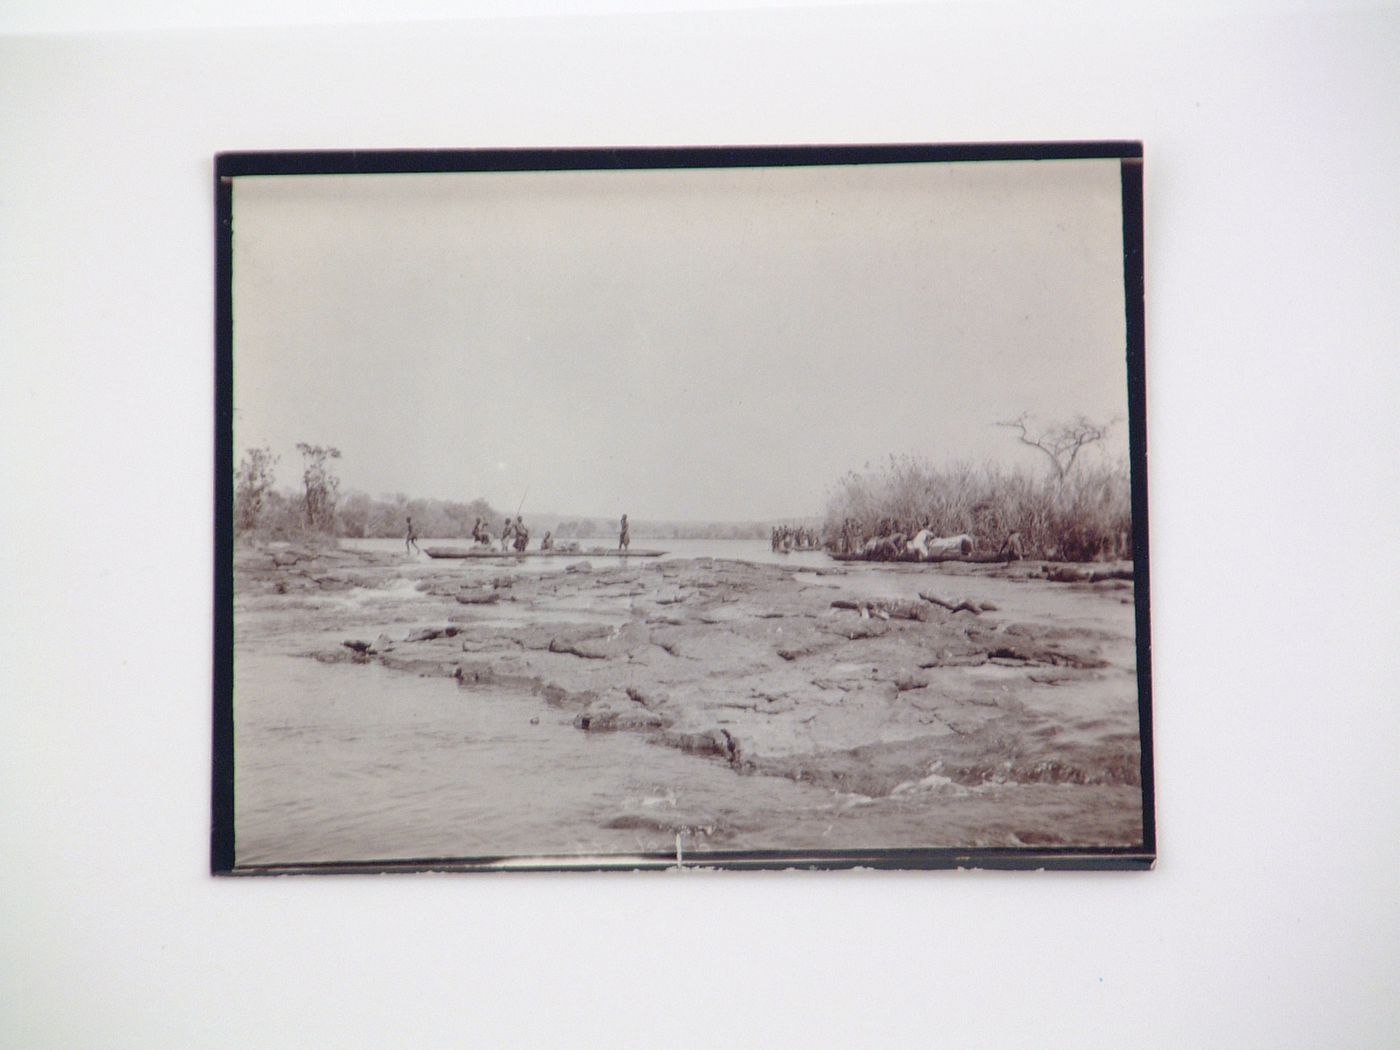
1084	515
599	528
270	514
282	515
357	515
363	516
262	512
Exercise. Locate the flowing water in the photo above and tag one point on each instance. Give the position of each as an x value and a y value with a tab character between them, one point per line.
747	550
361	763
342	762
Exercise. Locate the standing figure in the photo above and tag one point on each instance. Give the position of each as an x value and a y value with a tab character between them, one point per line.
522	535
410	540
507	534
1012	548
625	540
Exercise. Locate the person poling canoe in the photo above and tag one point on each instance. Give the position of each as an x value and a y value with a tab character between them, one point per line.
519	535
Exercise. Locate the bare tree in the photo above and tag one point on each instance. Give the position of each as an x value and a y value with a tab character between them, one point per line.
1061	442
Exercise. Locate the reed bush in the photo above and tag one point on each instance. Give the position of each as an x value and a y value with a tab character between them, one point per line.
1086	516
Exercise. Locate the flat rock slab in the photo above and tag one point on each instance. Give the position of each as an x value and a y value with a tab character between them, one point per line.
856	684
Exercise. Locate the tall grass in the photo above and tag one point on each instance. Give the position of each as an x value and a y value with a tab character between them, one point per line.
1085	517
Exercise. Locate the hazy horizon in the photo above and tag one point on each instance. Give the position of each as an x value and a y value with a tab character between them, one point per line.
685	346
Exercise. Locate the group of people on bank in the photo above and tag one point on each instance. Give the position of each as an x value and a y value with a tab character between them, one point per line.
786	538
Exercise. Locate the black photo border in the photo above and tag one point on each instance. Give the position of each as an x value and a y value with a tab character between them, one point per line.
228	166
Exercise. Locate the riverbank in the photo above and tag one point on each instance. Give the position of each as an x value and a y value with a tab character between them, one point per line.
981	705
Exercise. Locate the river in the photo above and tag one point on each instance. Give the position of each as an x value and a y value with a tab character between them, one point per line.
358	763
746	550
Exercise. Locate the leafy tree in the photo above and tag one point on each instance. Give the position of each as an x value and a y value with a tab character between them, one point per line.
322	486
252	485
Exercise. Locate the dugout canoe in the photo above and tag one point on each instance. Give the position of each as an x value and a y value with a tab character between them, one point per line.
975	558
487	552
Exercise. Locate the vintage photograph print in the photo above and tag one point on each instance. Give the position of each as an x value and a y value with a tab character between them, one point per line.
748	508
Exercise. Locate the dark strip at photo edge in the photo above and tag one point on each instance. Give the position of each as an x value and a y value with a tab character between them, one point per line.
621	158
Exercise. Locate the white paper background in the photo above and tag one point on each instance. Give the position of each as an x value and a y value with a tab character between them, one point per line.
1273	218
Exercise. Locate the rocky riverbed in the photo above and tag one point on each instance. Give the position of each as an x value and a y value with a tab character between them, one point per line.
999	701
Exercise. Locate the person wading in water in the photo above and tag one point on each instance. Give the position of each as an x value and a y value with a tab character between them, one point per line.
410	540
625	540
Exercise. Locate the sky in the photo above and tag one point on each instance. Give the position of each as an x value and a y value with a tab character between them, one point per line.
674	344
